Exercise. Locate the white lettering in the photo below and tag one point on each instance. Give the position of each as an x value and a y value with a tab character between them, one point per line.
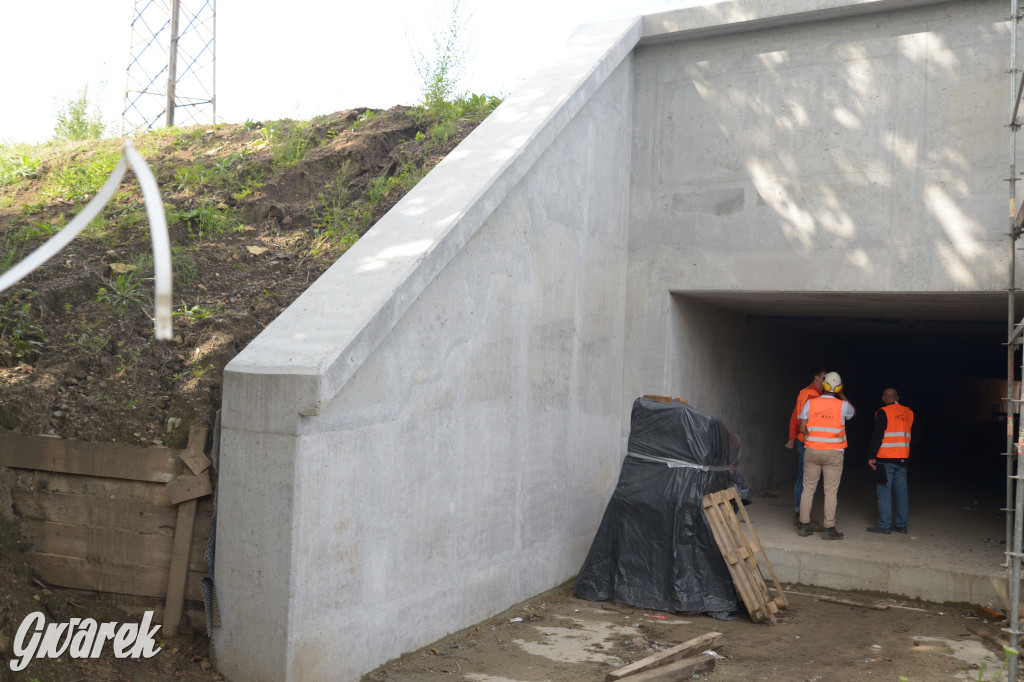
20	650
81	643
106	631
145	643
126	635
48	647
81	638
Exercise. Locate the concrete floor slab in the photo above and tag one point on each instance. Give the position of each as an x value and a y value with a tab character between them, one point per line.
953	552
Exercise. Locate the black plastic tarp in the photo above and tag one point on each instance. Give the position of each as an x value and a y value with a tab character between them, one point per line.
654	548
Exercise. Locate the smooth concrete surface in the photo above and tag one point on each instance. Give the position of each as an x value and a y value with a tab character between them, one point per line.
431	432
428	435
954	550
813	158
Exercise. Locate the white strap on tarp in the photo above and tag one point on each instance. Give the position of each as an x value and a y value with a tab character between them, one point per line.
157	231
678	464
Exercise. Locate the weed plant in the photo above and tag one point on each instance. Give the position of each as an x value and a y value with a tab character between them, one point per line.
121	292
17	167
206	220
20	337
76	120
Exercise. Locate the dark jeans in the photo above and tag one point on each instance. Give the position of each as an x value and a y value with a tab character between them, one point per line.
895	487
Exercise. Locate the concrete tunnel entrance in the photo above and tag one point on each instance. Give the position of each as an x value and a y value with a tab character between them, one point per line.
748	354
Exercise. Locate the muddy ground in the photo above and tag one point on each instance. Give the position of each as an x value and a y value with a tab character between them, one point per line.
562	638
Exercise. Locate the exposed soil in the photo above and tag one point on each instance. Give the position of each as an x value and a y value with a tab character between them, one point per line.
94	371
558	637
78	366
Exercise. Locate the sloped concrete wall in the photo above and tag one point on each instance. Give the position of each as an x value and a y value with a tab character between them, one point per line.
847	147
430	433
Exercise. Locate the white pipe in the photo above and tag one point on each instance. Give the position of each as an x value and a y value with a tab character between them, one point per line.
160	239
157	230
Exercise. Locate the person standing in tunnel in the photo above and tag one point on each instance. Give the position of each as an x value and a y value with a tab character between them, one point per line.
890	449
796	439
823	423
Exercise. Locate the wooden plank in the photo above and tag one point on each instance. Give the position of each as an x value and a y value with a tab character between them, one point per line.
110	460
105	546
101	512
179	567
679	670
194	612
73	484
741	554
189	487
857	604
147	581
780	596
104	512
723	537
192	455
697	644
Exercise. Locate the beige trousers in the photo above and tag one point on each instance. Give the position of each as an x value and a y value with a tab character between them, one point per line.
828	466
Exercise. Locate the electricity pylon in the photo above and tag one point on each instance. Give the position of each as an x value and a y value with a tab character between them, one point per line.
172	62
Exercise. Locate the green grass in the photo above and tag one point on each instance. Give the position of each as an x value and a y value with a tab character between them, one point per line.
207	219
20	336
76	181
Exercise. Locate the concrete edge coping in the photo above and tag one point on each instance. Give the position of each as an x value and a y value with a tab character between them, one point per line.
322	338
754	15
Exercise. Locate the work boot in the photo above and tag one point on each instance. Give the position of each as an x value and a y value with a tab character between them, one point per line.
900	530
804	529
831	534
815	526
796	519
879	529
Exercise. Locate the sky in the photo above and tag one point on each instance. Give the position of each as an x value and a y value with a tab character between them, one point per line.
293	59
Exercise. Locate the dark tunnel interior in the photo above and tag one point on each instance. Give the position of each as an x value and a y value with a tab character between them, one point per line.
953	374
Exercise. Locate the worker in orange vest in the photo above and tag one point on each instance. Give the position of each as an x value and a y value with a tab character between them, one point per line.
823	423
796	439
890	449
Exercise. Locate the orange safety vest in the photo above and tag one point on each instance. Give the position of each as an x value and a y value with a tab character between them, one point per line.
896	441
805	394
825	429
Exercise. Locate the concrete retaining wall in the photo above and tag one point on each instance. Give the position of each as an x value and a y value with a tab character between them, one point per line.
431	432
429	435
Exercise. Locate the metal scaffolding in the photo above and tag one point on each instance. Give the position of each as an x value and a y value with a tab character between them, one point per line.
1015	485
171	75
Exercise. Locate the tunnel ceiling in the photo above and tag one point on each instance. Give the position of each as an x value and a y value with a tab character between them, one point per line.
974	317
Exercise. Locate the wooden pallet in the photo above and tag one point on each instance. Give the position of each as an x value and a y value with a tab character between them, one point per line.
741	553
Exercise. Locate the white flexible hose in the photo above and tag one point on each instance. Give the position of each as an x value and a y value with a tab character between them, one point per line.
161	242
157	230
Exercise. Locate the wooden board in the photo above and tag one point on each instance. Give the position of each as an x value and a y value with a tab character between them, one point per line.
109	460
103	488
193	456
179	567
101	512
677	671
742	550
147	581
189	486
100	546
697	644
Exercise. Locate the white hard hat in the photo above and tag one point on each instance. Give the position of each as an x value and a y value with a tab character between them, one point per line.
833	382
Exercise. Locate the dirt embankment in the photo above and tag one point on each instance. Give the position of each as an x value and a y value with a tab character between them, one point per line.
252	229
